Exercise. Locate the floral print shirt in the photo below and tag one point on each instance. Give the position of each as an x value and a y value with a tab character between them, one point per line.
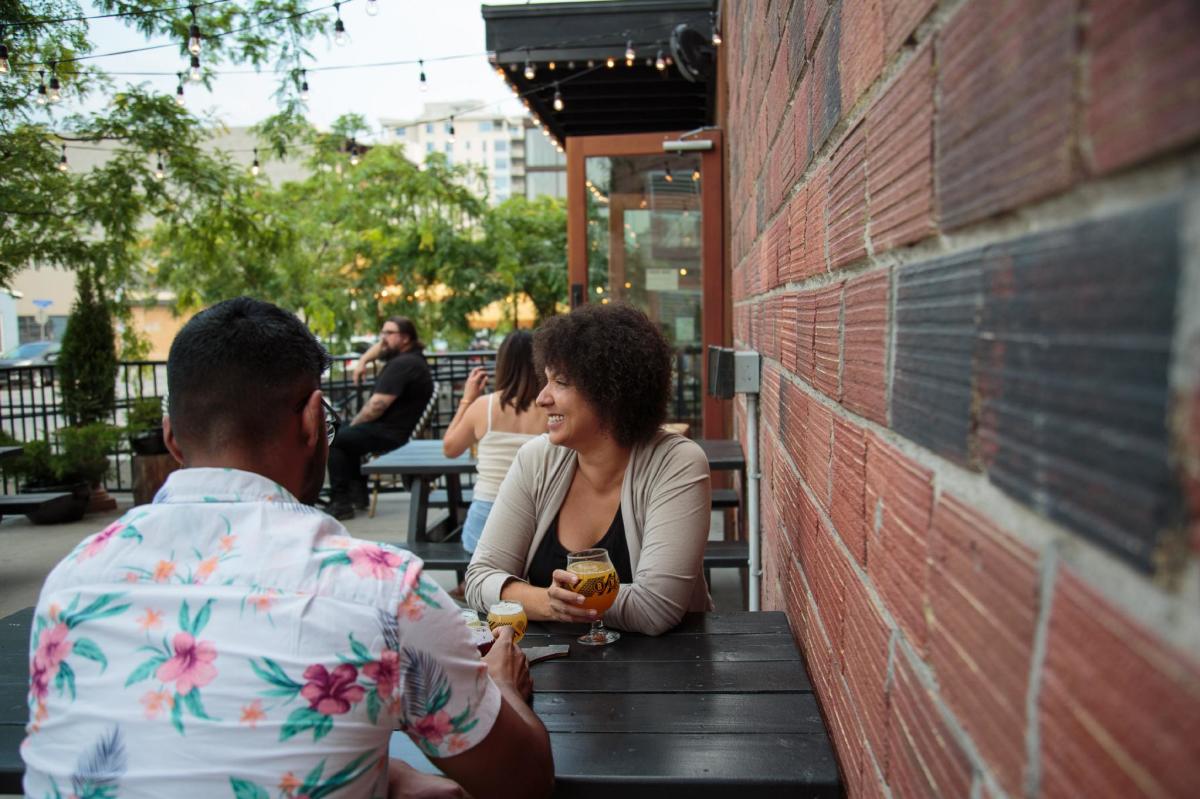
228	640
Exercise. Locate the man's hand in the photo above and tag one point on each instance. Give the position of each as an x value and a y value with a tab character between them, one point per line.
507	664
476	383
405	782
564	602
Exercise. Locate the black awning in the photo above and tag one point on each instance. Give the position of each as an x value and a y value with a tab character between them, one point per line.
570	45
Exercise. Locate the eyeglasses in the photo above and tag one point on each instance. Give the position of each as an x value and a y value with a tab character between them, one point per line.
332	420
389	332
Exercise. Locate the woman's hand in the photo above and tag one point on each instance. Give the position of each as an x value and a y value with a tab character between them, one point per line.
565	603
476	383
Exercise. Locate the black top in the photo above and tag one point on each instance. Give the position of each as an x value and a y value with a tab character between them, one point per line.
406	376
552	555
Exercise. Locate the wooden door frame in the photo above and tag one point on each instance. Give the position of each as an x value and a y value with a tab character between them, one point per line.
716	301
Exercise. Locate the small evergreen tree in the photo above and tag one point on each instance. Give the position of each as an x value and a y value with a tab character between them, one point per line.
87	364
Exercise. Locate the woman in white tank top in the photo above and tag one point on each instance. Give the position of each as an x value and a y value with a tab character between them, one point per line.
499	422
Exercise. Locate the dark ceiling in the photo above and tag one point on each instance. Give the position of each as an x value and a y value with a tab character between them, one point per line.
579	39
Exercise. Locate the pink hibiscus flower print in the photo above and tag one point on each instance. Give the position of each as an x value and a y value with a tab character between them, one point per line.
385	672
433	728
52	648
331	693
39	680
191	667
100	541
373	561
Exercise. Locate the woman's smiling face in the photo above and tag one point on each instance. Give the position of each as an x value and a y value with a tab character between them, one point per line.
572	421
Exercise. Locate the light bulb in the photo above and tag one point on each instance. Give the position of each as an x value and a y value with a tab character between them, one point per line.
611	62
695	175
62	161
667	176
558	101
41	95
424	83
629	52
552	66
254	167
159	172
716	29
54	95
372	7
304	92
529	70
452	130
194	70
339	34
179	95
354	158
659	63
3	60
194	39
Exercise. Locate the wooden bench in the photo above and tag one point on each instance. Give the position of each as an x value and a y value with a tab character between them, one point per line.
43	505
450	556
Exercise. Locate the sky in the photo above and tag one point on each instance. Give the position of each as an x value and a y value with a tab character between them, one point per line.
402	30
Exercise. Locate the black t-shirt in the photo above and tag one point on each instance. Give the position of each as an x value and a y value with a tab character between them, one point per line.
551	554
407	377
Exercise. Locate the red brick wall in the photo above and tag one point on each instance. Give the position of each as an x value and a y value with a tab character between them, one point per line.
965	236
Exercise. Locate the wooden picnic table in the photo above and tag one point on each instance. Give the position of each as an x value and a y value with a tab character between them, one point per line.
424	462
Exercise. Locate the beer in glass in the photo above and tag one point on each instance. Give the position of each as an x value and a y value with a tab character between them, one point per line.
508	613
598	584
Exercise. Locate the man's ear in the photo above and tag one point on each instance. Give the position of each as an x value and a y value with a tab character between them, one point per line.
312	421
169	440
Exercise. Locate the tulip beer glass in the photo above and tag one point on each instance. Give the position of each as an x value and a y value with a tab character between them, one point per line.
507	613
598	583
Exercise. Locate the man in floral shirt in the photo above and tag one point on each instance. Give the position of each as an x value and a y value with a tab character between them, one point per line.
230	640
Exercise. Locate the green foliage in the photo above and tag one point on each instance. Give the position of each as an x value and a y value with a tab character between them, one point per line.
84	456
87	365
527	242
145	413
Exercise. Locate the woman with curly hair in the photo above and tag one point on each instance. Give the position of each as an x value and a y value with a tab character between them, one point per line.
605	475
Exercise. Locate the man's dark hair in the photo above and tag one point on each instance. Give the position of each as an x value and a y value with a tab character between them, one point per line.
516	378
618	359
407	328
236	370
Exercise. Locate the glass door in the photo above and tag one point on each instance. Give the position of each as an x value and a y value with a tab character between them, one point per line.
641	233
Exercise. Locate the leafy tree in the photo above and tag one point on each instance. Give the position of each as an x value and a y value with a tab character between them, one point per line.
527	242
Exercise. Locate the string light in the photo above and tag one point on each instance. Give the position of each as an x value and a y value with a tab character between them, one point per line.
193	34
194	70
159	172
3	53
695	175
41	95
353	152
659	63
610	63
179	90
452	128
716	29
630	55
424	83
55	93
372	7
530	71
62	161
667	176
558	100
254	169
339	28
552	66
304	85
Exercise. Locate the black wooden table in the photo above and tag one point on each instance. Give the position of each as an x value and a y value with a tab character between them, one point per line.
14	687
724	454
424	462
720	704
9	452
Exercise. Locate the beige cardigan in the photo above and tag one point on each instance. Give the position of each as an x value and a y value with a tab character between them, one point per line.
666	509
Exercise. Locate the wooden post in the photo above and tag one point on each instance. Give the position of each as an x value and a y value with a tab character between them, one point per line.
149	473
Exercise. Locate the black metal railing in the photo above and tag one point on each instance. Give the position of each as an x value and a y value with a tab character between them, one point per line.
31	405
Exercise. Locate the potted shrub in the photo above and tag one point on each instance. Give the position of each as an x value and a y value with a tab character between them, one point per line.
144	426
41	470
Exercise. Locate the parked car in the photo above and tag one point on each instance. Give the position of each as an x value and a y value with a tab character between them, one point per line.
32	353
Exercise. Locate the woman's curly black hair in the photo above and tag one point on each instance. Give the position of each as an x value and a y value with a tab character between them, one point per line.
618	360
